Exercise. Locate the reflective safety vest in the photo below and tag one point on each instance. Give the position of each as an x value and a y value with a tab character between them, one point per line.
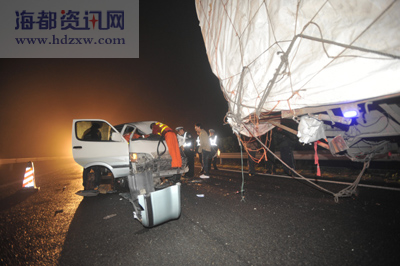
181	139
188	141
161	129
213	140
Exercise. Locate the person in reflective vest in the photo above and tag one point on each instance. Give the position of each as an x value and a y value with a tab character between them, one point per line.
172	142
214	148
186	143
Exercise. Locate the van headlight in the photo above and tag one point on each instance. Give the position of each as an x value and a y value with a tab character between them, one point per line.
140	158
133	157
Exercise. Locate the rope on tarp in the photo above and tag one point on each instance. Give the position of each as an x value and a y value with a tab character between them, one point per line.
285	54
283	64
351	189
239	96
352	47
235	113
241	159
346	192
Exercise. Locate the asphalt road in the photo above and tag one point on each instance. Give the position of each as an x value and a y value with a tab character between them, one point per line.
277	221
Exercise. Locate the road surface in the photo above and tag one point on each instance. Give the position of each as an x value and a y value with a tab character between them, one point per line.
277	221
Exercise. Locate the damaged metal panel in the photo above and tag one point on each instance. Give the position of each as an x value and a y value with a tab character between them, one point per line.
140	184
337	145
161	206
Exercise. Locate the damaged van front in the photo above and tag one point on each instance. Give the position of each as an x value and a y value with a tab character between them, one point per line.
129	156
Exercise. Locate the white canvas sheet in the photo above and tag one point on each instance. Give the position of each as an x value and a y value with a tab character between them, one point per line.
264	54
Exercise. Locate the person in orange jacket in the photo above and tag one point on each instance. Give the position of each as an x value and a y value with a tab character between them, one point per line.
172	142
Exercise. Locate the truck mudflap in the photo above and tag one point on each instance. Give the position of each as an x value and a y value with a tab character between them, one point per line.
160	206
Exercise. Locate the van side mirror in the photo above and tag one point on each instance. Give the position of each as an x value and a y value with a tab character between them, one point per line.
115	136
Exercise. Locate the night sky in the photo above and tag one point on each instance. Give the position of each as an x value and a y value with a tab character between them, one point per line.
171	82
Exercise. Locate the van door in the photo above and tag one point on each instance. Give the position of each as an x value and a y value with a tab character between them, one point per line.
96	142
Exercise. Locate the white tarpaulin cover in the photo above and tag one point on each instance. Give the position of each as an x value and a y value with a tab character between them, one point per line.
281	55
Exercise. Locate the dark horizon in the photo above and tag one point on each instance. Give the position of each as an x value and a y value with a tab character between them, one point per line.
170	82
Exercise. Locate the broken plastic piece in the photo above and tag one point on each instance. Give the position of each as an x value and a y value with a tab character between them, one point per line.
160	206
310	130
109	216
87	193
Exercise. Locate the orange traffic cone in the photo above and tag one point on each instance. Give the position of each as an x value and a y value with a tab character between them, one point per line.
29	177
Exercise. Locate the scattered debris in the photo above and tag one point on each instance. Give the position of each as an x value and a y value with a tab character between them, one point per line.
109	216
125	195
58	211
87	193
105	188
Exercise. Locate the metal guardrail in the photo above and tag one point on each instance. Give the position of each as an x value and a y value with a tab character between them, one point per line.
306	155
25	160
298	155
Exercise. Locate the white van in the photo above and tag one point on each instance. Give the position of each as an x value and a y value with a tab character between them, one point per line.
130	154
